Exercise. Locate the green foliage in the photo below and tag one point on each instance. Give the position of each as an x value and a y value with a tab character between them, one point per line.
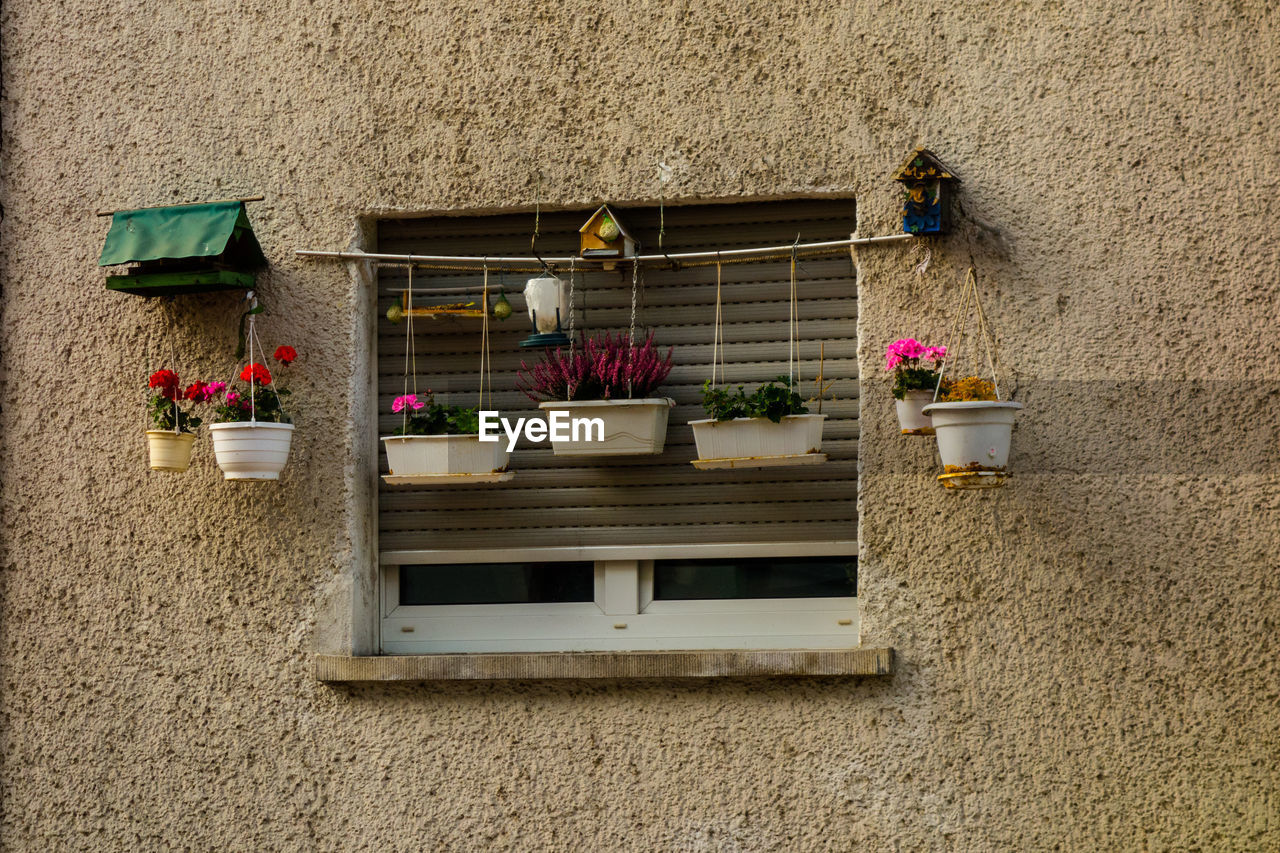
437	419
913	379
773	400
162	410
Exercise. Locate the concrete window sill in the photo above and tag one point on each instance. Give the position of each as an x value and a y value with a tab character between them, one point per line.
615	665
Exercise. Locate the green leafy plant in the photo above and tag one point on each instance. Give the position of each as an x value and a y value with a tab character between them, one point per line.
906	358
163	405
437	419
774	400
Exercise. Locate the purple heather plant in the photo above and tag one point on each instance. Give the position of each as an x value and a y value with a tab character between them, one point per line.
604	368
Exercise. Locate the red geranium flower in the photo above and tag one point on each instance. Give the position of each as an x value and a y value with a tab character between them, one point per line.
284	355
256	373
196	392
167	382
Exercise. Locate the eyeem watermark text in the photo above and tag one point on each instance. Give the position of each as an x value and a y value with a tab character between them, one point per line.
557	427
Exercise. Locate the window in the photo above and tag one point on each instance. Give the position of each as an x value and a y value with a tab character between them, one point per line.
641	552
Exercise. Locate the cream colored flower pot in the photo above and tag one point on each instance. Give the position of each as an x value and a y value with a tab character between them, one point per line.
440	455
973	441
248	450
170	451
741	438
630	427
910	418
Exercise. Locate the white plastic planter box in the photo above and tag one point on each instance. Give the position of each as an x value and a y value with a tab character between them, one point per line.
910	418
631	427
973	441
425	459
759	442
249	450
169	450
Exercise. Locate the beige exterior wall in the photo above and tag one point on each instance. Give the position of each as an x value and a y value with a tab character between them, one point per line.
1087	658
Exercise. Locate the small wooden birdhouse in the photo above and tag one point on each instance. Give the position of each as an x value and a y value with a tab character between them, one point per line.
927	189
604	236
184	248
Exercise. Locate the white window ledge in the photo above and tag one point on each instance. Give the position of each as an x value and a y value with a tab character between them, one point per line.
617	665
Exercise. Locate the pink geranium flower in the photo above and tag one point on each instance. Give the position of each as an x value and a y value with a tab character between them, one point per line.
410	400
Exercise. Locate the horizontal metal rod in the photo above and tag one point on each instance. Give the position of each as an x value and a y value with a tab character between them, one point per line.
644	259
215	201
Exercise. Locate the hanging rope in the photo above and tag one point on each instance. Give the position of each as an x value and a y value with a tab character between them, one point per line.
717	335
173	359
970	300
253	386
793	324
410	354
486	363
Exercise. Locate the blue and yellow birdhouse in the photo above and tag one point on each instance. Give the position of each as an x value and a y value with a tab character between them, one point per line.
927	188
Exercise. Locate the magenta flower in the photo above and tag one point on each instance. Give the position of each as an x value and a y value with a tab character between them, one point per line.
909	351
410	400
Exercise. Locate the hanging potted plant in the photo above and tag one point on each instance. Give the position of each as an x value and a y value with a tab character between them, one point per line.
607	387
973	424
253	434
439	444
769	427
170	440
913	383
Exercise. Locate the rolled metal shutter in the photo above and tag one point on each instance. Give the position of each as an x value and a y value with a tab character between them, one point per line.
642	500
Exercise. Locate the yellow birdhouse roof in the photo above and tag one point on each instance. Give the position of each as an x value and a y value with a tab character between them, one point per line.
600	212
924	165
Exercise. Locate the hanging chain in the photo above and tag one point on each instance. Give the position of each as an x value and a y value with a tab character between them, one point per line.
573	343
410	357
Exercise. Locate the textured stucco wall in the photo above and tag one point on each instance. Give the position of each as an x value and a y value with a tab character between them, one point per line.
1088	658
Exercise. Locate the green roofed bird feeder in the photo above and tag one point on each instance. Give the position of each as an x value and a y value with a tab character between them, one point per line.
186	248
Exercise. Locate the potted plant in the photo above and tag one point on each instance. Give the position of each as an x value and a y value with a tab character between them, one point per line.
252	437
771	426
439	443
913	382
974	428
609	384
173	430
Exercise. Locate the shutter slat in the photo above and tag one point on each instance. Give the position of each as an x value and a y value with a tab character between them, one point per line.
669	534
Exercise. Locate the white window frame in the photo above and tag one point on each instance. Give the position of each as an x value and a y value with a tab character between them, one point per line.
624	616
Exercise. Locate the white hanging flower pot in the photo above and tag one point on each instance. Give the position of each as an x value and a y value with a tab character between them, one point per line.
442	459
973	441
249	450
758	442
169	450
911	418
630	427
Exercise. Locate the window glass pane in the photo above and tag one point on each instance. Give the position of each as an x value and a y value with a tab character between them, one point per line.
497	583
769	577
